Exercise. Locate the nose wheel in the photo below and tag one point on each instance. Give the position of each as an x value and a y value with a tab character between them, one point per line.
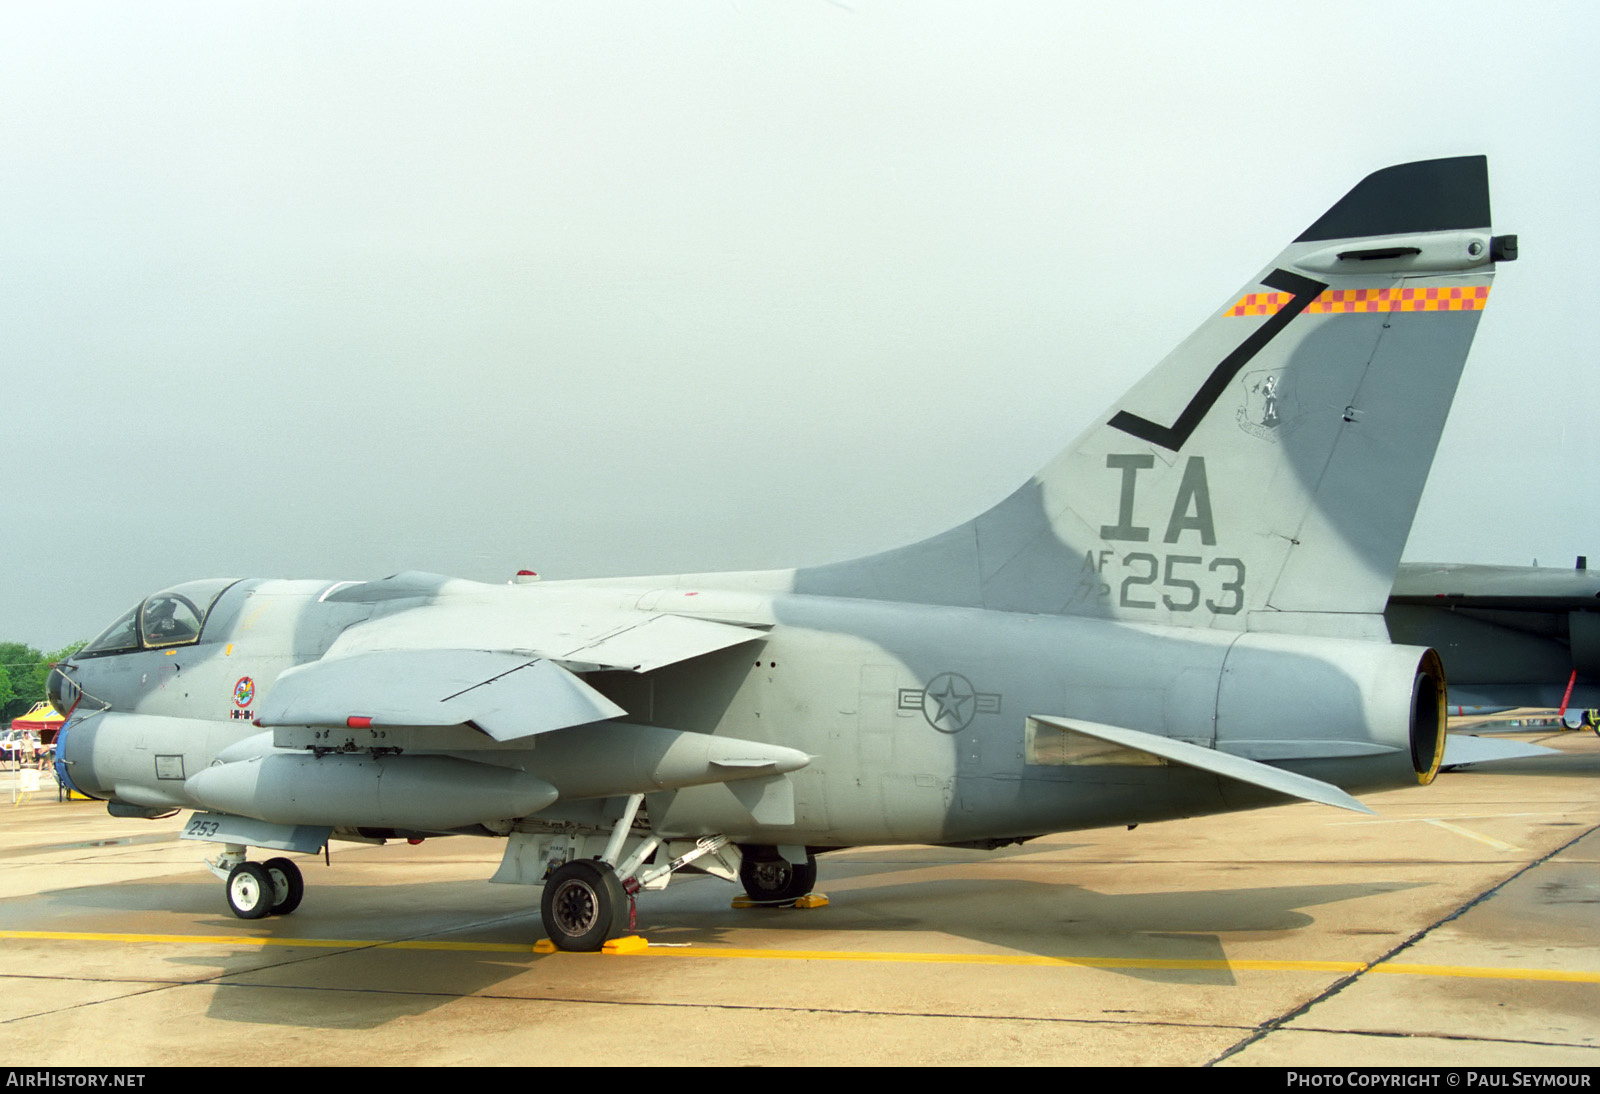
288	887
769	878
249	891
259	889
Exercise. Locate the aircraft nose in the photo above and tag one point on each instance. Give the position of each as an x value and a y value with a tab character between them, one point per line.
60	689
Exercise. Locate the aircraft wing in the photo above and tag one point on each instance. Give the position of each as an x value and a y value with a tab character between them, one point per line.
509	675
576	634
506	695
646	642
1509	635
1205	759
1507	588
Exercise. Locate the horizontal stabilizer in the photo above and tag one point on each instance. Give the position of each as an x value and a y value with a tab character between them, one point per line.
506	695
1461	749
1206	759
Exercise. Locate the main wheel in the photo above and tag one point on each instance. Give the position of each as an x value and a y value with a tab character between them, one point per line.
773	879
288	887
249	891
581	905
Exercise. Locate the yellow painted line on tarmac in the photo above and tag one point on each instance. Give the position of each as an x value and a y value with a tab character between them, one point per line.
1498	845
249	940
1568	976
890	957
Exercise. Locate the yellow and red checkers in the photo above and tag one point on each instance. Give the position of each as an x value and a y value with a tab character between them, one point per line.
1451	298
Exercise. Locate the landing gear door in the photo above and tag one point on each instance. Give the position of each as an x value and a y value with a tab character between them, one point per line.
226	828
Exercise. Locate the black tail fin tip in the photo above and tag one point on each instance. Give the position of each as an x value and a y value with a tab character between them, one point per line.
1425	196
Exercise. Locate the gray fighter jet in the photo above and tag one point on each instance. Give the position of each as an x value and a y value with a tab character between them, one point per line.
1510	636
1181	614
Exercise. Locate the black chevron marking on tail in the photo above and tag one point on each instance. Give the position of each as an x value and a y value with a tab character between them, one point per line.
1172	437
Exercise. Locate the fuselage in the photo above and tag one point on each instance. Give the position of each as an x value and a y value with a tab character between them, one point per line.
918	719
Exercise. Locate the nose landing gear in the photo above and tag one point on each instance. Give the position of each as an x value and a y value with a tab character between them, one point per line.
255	890
770	879
249	891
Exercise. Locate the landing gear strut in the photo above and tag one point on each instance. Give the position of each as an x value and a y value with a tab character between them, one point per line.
588	900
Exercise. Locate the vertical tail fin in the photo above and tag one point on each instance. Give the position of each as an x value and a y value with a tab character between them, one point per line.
1272	463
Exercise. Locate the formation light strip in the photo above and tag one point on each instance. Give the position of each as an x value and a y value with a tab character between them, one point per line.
1339	301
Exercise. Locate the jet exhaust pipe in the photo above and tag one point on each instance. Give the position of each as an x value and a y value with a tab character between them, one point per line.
1429	720
1366	715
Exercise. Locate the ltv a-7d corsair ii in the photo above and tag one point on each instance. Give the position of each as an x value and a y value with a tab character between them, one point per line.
1181	614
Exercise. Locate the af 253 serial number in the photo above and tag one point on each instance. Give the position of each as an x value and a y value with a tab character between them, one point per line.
1179	583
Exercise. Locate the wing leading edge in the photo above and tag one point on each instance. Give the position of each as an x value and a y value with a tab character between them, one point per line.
445	664
506	695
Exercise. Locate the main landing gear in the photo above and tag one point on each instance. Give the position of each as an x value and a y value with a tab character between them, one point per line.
590	900
258	889
584	904
587	901
769	878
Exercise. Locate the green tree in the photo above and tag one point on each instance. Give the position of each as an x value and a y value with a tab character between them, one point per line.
24	672
17	661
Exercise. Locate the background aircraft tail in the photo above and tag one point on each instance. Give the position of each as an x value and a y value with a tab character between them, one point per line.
1264	476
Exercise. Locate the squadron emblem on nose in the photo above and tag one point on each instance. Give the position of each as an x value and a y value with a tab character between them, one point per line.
949	702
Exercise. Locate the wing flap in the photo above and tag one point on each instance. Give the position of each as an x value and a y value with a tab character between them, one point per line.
1206	759
506	695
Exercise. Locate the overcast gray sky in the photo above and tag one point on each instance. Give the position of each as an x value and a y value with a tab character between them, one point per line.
337	289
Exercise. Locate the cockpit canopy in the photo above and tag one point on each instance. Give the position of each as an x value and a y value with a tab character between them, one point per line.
172	617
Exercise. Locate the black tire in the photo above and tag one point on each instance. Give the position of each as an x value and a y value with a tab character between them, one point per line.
249	891
582	903
288	887
769	878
